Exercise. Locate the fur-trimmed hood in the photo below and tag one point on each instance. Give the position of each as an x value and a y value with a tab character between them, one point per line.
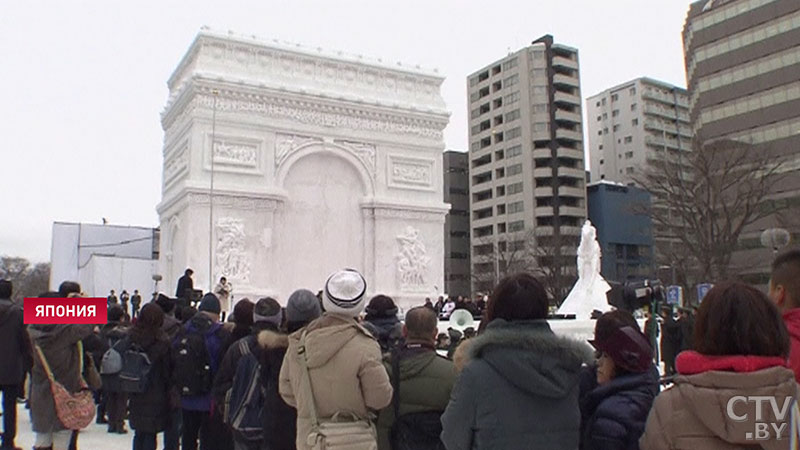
270	340
530	356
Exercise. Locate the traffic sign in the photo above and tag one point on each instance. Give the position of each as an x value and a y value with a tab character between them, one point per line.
702	290
674	295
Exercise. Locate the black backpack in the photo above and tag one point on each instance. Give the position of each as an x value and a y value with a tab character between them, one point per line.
134	378
192	372
414	431
245	401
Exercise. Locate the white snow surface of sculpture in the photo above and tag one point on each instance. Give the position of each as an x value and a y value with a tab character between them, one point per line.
589	292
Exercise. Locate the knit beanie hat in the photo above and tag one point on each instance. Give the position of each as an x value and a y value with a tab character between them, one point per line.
268	310
210	303
243	312
303	306
344	293
381	306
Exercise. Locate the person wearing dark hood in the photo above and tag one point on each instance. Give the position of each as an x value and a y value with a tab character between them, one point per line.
171	327
264	315
617	392
519	386
197	353
115	400
740	355
382	315
150	410
670	340
60	348
185	285
280	419
15	362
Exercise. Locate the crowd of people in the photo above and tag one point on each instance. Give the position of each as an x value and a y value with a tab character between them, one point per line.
135	301
338	371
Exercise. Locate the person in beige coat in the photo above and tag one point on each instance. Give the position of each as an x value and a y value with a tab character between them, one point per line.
344	360
741	350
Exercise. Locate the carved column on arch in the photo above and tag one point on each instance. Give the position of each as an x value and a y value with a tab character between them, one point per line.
368	216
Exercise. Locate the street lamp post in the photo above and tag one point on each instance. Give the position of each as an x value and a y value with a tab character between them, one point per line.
215	93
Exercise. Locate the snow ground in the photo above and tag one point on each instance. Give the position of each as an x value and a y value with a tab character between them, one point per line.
94	437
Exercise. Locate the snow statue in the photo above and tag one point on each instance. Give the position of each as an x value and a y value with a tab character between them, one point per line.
589	292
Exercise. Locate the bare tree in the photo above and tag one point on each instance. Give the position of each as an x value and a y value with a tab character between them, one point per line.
702	201
524	251
27	281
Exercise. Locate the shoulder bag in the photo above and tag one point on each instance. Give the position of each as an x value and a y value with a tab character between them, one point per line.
343	431
75	411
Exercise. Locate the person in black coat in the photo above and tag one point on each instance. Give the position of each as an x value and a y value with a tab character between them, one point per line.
113	400
616	394
185	283
15	361
686	323
670	340
386	327
150	410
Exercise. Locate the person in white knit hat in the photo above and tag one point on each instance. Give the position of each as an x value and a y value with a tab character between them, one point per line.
343	359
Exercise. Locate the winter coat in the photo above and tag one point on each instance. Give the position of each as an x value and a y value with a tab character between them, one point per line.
346	372
687	333
519	390
215	336
426	380
693	413
791	318
670	339
17	358
389	331
171	326
230	361
111	333
613	415
184	283
280	421
149	411
59	345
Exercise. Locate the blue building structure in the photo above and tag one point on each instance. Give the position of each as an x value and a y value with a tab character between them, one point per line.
621	215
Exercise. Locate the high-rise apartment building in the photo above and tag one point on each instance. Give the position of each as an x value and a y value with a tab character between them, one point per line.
742	63
456	223
527	179
634	124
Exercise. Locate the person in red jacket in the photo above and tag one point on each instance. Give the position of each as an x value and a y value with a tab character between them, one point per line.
784	290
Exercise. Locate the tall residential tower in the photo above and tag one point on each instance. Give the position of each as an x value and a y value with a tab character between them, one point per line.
527	179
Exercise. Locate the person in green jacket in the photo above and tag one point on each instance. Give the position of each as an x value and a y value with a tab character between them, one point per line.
426	380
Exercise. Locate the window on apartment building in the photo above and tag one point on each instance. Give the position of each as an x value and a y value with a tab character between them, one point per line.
538	74
514	151
512	116
513	133
602	177
515	207
615	113
498	155
514	188
600	147
602	161
496	69
501	209
512	80
496	86
511	98
597	104
633	106
498	137
498	120
539	108
501	228
616	127
511	63
605	130
605	116
599	132
517	225
501	191
628	155
614	97
635	122
500	173
603	102
498	102
538	54
599	118
540	127
628	139
629	170
632	91
515	169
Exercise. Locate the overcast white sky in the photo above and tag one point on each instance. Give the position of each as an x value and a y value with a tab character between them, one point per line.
83	82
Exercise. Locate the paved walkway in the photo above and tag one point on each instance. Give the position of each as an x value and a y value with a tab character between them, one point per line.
94	437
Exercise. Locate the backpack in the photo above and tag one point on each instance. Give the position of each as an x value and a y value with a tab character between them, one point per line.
111	363
134	377
414	431
245	401
192	372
